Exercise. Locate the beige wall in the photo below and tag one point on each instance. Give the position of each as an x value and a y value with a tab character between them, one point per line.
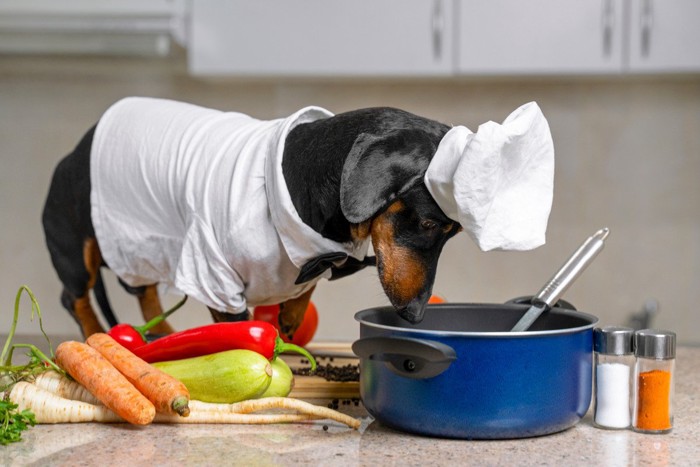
628	157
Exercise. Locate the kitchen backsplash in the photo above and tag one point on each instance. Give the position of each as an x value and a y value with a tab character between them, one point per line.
627	158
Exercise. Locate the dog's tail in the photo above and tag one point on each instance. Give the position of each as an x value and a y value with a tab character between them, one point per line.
103	301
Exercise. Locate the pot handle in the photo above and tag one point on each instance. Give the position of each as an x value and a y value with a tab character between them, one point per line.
405	356
527	300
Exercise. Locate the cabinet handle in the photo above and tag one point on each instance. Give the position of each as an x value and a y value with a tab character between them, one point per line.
437	24
608	25
647	20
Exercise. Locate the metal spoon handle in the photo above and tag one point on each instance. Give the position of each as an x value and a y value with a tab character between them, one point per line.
572	269
560	282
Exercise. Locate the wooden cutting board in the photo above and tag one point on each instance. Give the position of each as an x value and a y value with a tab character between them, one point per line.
315	388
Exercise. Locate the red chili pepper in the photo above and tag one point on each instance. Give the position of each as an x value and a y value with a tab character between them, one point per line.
128	336
133	337
258	336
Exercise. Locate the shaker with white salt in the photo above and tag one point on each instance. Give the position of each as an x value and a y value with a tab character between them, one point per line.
614	368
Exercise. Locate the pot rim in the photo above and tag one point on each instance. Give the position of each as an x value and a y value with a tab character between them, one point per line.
482	334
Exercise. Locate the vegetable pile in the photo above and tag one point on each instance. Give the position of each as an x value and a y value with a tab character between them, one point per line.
256	336
219	373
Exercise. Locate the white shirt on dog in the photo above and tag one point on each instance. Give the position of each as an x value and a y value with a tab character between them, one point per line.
195	198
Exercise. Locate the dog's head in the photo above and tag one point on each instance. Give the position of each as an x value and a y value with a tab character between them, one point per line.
382	194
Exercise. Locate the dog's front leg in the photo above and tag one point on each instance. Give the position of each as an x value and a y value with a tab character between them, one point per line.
149	301
81	309
292	313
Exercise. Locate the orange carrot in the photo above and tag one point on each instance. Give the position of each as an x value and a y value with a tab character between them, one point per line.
93	371
168	394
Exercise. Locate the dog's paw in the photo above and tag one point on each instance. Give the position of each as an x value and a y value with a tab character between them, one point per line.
288	323
290	318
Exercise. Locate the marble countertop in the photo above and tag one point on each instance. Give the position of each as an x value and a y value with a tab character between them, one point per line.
325	443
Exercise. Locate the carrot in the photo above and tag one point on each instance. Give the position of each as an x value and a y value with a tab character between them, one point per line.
87	366
50	408
55	383
167	393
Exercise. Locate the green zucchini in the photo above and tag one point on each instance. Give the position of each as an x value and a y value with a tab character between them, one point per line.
282	380
225	377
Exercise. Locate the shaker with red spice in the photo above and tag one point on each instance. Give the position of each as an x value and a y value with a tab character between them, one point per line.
654	381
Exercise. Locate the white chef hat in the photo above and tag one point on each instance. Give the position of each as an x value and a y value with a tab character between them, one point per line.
498	182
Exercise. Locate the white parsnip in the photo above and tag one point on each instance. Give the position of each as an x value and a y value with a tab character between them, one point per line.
50	408
56	383
276	403
201	406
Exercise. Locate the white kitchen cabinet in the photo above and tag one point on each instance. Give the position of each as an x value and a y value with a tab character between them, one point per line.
577	37
664	36
443	37
321	37
123	27
539	36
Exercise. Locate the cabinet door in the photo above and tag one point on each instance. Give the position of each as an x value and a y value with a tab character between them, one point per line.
539	36
664	35
321	37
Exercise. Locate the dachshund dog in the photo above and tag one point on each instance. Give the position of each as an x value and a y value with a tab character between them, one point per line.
354	177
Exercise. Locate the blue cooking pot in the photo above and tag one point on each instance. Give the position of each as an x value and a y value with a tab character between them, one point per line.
460	373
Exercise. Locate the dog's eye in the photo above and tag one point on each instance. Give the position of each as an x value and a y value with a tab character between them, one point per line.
428	225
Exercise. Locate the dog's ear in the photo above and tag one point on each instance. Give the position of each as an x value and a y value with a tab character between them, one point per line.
379	168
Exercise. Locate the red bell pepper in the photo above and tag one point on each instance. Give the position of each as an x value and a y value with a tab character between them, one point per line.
258	336
133	337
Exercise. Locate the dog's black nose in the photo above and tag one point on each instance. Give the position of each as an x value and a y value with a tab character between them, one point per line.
413	313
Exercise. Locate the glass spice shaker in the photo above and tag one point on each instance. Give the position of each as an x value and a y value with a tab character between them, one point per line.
614	367
654	381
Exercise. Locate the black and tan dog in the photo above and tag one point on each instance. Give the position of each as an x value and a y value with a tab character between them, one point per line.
382	197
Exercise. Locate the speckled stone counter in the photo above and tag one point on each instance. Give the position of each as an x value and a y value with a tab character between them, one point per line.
373	444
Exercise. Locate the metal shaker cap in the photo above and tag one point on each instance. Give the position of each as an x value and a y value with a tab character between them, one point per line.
654	343
613	340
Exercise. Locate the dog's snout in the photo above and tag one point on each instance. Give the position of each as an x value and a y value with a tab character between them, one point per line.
414	312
